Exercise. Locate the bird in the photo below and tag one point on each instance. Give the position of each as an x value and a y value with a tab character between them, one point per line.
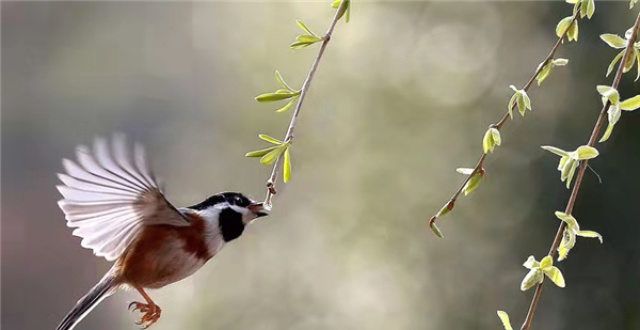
115	204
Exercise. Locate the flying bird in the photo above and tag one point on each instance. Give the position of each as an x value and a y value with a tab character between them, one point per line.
117	207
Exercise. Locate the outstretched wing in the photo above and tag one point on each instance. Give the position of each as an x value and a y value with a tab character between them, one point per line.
109	196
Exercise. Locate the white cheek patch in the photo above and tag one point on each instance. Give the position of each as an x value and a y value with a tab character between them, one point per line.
247	215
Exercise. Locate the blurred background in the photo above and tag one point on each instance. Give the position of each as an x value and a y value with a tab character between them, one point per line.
401	99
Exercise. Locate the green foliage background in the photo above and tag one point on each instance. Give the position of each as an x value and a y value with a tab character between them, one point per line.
402	98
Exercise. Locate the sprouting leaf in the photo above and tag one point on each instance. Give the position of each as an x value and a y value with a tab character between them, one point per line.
531	263
435	229
613	115
272	155
607	133
473	182
591	8
569	234
533	277
547	68
555	150
630	104
269	139
445	209
520	99
281	81
572	32
563	26
286	171
632	3
613	63
586	152
490	140
614	40
304	28
555	275
343	7
504	318
259	153
288	106
544	73
608	94
277	96
631	60
464	170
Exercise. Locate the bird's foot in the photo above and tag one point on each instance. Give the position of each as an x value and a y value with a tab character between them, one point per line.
150	313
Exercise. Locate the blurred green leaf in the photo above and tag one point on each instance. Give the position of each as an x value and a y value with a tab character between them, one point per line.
344	7
608	94
269	139
286	172
288	106
632	3
281	81
607	133
259	153
473	183
304	28
555	150
630	104
586	152
563	25
533	277
572	33
614	40
544	73
555	275
278	96
435	229
631	61
531	263
613	63
504	318
272	155
590	234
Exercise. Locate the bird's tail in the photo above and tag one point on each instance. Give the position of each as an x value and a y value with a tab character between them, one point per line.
103	289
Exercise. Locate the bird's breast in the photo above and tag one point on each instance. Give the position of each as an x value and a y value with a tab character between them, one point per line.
164	254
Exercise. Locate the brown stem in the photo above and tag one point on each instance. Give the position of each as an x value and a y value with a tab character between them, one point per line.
580	175
500	123
271	182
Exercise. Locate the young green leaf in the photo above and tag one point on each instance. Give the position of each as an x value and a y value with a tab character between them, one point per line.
555	150
589	234
613	63
304	27
632	3
572	32
435	229
586	152
555	275
281	81
614	40
473	182
286	172
259	153
344	7
631	103
289	105
269	139
490	140
277	96
272	155
613	114
608	94
563	26
544	73
631	60
504	318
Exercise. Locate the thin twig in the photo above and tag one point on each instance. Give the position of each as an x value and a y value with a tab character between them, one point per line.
583	166
500	123
271	182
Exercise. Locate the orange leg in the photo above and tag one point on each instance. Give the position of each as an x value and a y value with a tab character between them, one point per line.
151	311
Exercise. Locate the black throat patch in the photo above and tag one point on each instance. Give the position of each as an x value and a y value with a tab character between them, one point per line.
230	223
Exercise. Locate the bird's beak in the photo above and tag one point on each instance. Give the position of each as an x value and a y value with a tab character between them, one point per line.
258	209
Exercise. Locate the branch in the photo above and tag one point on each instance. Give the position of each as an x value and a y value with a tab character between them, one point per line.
478	169
583	166
271	181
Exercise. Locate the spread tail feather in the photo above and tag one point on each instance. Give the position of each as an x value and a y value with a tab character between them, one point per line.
103	289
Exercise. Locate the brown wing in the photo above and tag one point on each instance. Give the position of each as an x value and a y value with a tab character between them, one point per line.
109	196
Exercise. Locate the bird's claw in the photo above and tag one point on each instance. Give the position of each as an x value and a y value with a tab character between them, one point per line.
151	313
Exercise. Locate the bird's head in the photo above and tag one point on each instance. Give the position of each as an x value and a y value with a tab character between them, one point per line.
232	205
